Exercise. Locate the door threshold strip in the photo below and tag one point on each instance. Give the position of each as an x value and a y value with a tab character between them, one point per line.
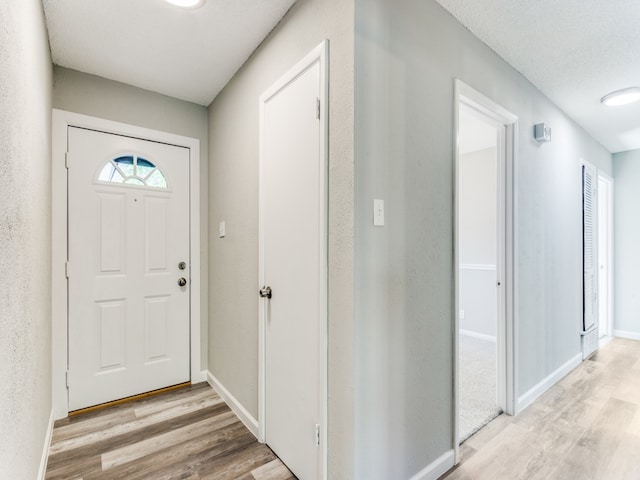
129	399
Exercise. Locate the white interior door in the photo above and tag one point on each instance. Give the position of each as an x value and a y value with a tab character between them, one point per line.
293	265
128	210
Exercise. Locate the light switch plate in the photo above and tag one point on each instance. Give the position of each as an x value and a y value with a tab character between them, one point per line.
378	212
222	229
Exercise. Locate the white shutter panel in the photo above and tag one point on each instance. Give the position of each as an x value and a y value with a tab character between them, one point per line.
588	243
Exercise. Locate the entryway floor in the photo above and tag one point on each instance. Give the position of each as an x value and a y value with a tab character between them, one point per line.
585	427
188	434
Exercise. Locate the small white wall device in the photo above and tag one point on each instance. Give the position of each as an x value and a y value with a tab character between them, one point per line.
542	132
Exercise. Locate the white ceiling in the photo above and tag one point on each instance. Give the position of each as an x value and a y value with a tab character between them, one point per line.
574	51
186	54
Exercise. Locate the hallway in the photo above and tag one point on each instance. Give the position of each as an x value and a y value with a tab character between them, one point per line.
585	427
188	433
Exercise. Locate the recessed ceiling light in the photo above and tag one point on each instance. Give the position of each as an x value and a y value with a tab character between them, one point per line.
621	97
186	3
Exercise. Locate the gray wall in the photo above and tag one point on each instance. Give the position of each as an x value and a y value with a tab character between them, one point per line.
233	177
96	96
626	174
25	238
408	53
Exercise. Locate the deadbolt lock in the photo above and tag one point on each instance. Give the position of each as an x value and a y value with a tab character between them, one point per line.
182	265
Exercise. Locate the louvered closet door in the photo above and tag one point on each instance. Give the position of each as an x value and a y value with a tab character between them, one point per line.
589	301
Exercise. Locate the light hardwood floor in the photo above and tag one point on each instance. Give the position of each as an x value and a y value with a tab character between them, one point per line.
185	434
586	427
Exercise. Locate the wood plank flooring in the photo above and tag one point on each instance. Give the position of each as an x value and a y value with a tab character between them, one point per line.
586	427
188	434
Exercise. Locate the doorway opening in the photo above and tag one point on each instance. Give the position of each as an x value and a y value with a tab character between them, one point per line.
477	267
483	267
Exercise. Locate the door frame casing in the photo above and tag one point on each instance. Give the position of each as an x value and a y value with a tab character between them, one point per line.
320	55
61	121
610	253
507	266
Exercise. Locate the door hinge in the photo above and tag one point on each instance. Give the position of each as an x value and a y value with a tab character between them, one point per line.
66	159
66	374
317	108
66	269
317	435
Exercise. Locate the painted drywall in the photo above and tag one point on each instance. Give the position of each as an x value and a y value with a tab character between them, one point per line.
233	177
96	96
477	207
477	217
408	53
25	238
626	175
478	302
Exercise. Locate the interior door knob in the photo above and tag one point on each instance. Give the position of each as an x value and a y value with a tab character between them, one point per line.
182	281
265	292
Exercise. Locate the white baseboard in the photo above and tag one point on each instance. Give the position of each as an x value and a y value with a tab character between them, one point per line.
481	336
45	448
437	468
528	398
628	335
604	340
242	413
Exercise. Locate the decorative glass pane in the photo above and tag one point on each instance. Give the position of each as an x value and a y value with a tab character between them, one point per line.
156	179
144	168
132	170
145	163
126	160
134	181
108	172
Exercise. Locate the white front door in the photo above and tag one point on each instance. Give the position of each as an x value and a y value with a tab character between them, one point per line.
293	265
128	269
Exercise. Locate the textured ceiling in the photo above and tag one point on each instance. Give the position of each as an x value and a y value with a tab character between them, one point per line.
186	54
574	51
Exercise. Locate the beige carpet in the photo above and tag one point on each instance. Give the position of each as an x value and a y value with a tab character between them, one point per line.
477	385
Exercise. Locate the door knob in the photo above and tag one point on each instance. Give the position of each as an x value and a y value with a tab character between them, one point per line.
182	281
265	292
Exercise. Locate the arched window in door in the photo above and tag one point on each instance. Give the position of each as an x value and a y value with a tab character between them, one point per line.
132	170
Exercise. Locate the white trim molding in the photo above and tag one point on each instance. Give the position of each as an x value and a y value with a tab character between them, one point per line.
626	334
245	417
42	471
480	336
436	469
528	398
61	121
478	266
